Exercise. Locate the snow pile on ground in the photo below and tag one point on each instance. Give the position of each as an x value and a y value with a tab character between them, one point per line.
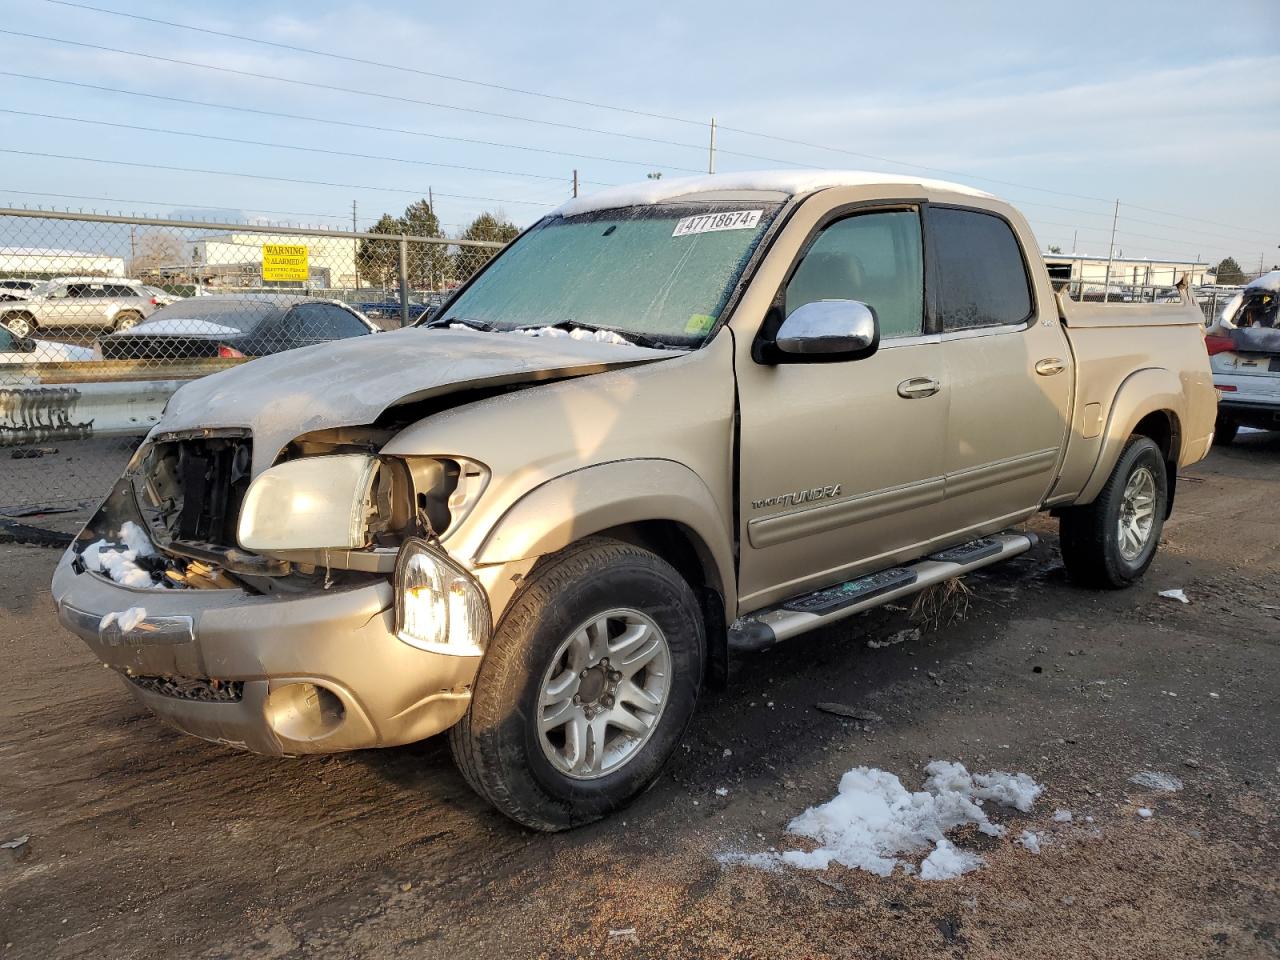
1154	780
873	820
126	619
105	556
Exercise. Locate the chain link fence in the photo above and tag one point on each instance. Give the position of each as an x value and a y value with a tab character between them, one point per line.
102	318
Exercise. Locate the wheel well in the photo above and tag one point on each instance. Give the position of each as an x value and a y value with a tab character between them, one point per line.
1163	429
681	547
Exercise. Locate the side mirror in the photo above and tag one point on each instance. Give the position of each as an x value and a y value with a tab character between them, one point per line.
827	330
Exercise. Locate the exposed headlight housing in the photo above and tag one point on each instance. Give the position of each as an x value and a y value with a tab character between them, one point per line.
439	606
315	503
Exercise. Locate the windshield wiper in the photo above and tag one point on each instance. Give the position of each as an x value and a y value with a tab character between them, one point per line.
639	339
480	325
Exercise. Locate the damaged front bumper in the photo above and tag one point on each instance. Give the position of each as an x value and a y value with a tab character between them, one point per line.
312	673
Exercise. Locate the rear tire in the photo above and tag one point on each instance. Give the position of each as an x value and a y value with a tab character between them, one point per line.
539	740
1110	543
1224	431
126	321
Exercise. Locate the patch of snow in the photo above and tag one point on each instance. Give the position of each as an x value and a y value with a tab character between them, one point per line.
1030	839
948	862
789	182
126	619
182	325
1154	780
1144	812
577	333
911	634
1062	816
722	791
757	861
106	556
873	820
135	538
1015	790
1175	595
1268	281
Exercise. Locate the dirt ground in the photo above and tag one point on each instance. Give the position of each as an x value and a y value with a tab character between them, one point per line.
146	843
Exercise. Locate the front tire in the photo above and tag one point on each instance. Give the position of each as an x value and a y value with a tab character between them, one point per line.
588	684
1111	542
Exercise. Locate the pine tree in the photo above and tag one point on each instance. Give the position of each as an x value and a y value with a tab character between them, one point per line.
487	226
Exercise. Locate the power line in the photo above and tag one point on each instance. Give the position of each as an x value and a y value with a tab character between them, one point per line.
598	105
287	146
396	98
262	176
386	66
343	123
152	57
170	204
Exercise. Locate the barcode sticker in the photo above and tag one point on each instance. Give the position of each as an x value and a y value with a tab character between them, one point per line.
711	222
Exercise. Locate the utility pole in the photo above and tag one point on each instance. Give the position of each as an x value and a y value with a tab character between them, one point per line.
1074	235
355	247
575	183
431	200
711	154
1111	253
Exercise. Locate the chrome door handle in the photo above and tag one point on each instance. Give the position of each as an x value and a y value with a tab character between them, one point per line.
918	387
1049	366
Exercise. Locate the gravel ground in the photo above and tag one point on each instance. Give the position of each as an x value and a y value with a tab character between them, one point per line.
145	843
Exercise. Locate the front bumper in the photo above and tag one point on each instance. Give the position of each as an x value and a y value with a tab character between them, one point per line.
312	674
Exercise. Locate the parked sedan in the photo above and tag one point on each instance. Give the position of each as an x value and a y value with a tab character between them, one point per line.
248	325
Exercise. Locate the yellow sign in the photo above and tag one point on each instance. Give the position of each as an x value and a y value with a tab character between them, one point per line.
284	261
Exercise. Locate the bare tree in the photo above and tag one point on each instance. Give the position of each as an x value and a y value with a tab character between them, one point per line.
155	249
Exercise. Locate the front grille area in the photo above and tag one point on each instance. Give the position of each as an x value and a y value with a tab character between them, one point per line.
193	487
192	688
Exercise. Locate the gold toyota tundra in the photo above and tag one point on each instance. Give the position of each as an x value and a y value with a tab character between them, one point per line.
668	423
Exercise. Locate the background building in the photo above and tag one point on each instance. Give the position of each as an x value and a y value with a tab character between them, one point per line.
47	262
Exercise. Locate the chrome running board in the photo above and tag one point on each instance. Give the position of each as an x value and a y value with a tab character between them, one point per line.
764	628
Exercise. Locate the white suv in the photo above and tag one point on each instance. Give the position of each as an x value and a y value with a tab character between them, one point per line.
115	303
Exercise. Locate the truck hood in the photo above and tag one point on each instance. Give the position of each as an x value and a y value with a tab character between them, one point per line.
350	382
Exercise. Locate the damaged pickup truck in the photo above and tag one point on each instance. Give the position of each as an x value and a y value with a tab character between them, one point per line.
668	423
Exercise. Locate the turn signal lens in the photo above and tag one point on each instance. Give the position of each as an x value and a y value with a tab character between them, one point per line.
439	606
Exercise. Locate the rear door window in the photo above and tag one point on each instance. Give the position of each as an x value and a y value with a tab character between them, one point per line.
977	271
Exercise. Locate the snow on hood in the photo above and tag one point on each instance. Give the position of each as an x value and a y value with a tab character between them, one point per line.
183	325
790	182
350	382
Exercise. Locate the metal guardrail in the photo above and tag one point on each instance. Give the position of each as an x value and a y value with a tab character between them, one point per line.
41	413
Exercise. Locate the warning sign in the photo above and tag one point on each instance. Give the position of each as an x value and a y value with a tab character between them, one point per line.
284	261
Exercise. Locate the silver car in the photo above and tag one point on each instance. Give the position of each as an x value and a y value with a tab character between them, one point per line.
97	302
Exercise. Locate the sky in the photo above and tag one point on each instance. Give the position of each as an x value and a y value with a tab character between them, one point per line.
1171	107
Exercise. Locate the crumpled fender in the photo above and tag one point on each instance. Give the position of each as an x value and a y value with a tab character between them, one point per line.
1142	392
595	498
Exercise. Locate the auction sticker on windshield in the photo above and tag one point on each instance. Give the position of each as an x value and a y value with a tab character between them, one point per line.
710	222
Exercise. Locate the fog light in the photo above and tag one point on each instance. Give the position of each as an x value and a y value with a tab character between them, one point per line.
439	606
